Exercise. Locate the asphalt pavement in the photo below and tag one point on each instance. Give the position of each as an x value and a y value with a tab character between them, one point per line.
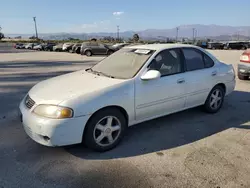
186	149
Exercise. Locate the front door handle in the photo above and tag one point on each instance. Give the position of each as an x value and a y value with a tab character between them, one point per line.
214	73
180	81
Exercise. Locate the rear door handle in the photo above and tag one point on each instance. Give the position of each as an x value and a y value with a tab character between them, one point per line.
180	81
214	73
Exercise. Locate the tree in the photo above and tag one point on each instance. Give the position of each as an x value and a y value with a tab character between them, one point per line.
32	37
136	37
1	35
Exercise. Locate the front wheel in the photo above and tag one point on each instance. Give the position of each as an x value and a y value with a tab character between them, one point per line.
105	130
215	100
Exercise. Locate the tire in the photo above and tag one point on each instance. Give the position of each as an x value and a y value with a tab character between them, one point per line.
88	53
213	107
110	52
242	77
78	51
92	131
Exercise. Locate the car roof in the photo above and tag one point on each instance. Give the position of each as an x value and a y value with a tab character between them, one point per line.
158	47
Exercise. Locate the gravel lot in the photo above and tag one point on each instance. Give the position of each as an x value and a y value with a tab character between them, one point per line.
187	149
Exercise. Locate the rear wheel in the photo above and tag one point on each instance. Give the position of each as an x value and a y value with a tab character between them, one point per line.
110	52
215	100
88	53
105	130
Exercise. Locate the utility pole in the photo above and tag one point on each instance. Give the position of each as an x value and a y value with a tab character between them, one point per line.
193	34
177	32
118	30
34	18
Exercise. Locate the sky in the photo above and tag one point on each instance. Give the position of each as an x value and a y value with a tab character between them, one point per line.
84	16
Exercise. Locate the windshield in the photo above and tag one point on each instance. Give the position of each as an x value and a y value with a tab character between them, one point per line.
124	63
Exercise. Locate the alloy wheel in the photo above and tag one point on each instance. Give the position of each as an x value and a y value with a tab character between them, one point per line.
107	131
216	99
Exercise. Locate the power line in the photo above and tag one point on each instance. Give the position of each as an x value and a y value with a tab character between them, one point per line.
34	18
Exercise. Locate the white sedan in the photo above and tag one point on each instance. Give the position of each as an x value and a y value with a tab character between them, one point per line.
135	84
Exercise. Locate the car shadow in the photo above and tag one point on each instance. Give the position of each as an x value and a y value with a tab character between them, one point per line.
175	130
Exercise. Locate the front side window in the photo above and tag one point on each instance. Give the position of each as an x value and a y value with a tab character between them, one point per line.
123	64
167	62
193	58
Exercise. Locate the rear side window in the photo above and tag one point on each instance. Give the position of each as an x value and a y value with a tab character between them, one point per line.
194	59
208	61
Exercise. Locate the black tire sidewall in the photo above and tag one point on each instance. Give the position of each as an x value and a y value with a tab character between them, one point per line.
207	103
110	52
88	138
88	53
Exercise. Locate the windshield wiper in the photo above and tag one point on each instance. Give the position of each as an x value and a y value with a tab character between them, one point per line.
99	73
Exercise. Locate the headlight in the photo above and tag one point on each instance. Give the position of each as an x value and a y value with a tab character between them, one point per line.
53	111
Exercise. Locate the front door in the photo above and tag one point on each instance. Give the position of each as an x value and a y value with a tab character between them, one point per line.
155	98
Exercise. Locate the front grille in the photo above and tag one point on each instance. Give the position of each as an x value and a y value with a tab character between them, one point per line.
29	103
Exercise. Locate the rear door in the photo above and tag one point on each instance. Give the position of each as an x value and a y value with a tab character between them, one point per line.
102	49
201	76
94	46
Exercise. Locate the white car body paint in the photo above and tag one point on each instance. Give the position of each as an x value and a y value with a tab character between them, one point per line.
65	46
87	93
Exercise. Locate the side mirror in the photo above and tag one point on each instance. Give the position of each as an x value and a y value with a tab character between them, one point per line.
151	75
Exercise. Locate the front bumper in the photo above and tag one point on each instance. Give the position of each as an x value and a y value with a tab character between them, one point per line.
244	69
52	132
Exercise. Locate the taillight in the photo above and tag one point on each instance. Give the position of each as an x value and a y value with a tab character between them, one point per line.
245	58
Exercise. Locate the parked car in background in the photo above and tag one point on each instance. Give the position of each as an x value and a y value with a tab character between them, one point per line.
58	48
76	48
67	47
135	84
235	46
244	66
39	47
95	48
49	46
30	46
215	45
202	44
118	46
19	46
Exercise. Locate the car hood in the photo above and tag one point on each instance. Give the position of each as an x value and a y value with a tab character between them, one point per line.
58	89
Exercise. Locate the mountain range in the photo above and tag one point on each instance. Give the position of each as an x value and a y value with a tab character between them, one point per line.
218	32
